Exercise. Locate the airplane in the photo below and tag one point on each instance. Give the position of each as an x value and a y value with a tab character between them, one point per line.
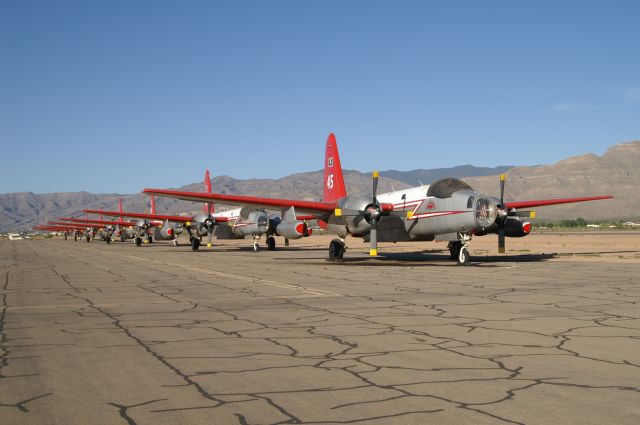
448	209
158	225
110	227
243	223
65	229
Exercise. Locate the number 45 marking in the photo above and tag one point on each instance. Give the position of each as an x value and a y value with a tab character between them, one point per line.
330	181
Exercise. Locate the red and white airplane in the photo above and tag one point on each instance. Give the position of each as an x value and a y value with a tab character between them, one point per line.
448	209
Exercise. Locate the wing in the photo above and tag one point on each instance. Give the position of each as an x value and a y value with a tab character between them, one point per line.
557	201
317	209
175	218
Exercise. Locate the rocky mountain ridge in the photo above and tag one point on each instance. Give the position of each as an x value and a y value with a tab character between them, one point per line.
616	172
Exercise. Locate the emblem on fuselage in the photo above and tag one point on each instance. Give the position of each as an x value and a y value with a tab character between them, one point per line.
330	162
431	205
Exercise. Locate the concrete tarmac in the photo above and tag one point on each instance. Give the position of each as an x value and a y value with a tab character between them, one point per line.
114	334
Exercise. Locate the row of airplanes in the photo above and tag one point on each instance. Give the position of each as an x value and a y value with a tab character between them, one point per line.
446	210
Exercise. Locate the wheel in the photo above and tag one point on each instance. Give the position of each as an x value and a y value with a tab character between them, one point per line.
463	257
271	243
454	249
256	247
138	241
175	242
150	239
107	240
88	239
336	250
195	244
65	236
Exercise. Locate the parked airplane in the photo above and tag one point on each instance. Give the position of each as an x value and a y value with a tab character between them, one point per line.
448	209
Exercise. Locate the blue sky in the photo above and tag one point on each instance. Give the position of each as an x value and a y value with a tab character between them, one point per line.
114	96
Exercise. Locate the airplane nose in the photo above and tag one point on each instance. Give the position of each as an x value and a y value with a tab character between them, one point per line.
486	212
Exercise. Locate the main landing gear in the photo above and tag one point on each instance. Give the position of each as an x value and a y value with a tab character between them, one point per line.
149	239
271	243
195	243
88	238
138	241
175	242
336	250
458	250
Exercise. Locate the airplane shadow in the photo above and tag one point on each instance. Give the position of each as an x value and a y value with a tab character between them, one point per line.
426	259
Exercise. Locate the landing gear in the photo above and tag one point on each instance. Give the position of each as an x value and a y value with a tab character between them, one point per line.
336	250
454	249
271	243
256	239
175	242
463	257
286	241
65	236
463	253
88	238
107	240
149	239
138	241
195	243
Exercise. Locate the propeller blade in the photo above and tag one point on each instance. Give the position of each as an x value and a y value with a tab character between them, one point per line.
501	241
373	239
502	181
376	176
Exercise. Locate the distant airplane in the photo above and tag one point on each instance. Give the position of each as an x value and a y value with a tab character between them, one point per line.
243	222
448	209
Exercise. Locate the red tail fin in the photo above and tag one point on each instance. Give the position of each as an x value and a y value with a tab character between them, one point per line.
333	180
120	207
153	204
208	207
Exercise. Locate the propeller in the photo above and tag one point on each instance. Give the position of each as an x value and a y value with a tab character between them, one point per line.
371	214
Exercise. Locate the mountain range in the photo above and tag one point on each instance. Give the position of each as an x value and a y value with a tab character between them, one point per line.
615	172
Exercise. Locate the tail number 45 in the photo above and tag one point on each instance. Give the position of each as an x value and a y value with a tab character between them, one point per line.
330	181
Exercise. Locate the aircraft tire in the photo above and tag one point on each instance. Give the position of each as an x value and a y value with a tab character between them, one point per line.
271	243
463	257
336	250
138	241
107	240
150	239
88	239
454	249
256	247
195	244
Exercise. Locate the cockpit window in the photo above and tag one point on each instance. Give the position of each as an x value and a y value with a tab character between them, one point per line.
470	201
445	187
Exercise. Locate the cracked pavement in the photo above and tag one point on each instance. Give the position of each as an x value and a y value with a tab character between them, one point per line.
114	334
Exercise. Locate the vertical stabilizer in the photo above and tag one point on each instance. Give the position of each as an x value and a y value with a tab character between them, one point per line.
208	207
333	180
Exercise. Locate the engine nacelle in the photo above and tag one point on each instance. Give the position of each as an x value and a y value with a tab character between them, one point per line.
516	228
292	229
255	223
356	225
